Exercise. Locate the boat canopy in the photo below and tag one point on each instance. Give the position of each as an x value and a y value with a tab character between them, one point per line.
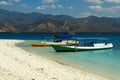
62	37
93	40
97	38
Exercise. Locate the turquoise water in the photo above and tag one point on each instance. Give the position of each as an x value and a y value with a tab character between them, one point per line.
105	63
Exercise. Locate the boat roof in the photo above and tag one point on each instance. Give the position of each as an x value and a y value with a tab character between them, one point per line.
63	36
94	38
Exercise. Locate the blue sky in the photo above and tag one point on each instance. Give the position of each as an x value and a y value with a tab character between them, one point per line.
75	8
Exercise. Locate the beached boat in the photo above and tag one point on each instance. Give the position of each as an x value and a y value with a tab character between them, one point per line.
56	41
84	46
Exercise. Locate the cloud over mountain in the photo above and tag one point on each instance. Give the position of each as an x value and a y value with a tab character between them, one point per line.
12	21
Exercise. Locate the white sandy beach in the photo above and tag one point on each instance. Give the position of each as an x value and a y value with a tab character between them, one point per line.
17	64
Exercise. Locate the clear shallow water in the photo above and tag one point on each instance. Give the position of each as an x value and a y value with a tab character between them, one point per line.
105	63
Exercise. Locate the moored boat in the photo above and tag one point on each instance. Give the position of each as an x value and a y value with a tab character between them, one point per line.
57	43
84	46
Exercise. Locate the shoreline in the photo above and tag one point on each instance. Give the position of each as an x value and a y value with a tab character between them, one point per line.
18	64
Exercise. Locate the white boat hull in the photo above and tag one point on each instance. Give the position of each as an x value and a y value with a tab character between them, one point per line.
98	46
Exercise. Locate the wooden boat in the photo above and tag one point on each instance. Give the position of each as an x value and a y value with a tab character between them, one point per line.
56	40
84	47
57	43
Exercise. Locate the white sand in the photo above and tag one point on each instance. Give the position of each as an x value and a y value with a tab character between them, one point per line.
17	64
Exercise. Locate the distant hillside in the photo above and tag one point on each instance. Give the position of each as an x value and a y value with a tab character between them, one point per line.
11	21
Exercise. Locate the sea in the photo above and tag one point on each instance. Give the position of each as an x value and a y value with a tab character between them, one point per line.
105	63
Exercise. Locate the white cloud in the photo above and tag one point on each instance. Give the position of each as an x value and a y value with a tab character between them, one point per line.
108	11
85	14
5	3
52	6
60	6
94	1
16	0
102	1
96	7
9	2
113	1
115	11
49	1
24	5
71	7
112	9
40	8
